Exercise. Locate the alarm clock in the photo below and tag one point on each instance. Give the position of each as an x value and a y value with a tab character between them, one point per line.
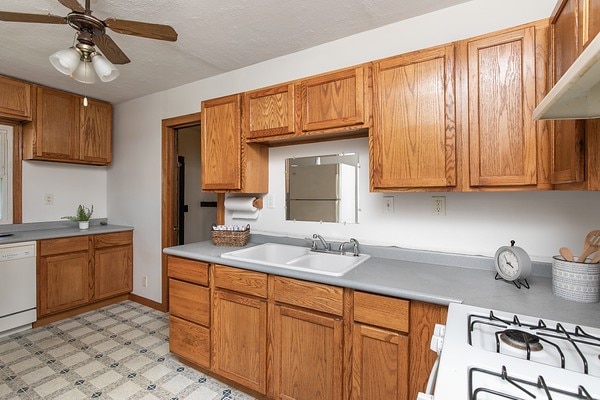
513	265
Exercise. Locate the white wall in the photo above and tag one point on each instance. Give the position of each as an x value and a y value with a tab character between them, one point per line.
70	184
475	222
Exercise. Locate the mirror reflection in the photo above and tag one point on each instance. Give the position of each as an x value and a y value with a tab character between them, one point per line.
322	188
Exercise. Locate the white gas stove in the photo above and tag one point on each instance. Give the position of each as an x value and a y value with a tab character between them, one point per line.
489	354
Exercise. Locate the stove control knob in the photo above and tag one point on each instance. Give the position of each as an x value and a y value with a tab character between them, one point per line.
423	396
437	340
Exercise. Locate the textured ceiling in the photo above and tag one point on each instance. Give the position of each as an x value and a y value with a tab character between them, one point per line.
215	36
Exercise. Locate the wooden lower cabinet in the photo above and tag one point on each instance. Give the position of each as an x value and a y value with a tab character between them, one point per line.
288	339
63	282
189	340
379	364
240	339
308	354
79	271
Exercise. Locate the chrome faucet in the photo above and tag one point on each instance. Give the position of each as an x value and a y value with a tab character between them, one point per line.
326	245
354	244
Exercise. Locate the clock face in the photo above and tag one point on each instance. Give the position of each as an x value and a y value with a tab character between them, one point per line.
508	265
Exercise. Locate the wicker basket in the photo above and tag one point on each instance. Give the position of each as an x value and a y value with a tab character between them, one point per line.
575	281
230	237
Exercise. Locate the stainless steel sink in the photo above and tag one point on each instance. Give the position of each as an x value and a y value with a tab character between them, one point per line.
297	258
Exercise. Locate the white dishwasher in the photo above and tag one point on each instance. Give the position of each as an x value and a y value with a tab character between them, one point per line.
17	287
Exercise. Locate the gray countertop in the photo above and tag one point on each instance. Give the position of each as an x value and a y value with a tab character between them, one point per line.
439	278
56	229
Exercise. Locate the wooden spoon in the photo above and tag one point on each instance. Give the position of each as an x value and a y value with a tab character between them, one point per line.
591	244
566	253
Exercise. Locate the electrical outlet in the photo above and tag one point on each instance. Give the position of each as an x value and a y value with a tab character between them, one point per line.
48	199
388	205
438	204
145	281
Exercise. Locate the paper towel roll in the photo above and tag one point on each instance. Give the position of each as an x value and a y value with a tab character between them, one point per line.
242	207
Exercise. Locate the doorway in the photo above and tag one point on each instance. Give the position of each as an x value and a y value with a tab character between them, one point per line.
196	210
170	211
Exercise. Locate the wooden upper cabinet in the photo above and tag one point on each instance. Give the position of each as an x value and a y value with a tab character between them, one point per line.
589	15
269	112
64	130
221	143
55	130
225	167
96	132
15	99
414	134
334	100
501	99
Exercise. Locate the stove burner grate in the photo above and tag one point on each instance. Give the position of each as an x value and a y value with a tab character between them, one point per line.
521	340
525	387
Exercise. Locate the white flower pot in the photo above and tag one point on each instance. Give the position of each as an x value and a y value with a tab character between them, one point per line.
83	225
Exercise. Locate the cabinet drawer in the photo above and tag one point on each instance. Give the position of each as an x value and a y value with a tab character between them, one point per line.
189	341
241	280
310	295
188	270
113	239
383	311
189	301
63	245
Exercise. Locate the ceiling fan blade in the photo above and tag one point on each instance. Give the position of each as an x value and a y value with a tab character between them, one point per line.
73	5
143	29
110	49
38	18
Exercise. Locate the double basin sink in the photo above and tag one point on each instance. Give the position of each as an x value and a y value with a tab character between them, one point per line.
298	258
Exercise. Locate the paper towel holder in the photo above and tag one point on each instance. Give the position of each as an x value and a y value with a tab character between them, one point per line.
258	203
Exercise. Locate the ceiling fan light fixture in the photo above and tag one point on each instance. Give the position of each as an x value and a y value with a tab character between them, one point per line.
66	61
105	70
84	73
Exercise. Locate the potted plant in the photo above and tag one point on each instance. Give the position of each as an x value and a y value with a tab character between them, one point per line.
82	216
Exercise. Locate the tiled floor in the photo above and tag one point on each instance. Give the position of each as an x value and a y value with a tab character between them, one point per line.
117	352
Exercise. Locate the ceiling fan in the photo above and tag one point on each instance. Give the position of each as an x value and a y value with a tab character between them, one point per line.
91	33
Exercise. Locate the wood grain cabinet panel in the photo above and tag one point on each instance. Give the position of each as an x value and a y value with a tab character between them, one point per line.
241	280
270	111
15	99
334	100
307	355
311	295
501	99
240	339
413	141
96	132
190	341
188	270
189	301
380	364
574	143
113	271
376	310
63	282
228	165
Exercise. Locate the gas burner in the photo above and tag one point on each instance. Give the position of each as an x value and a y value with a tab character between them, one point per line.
521	340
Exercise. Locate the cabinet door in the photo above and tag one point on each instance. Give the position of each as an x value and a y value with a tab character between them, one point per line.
269	112
96	132
113	271
221	143
567	136
57	125
307	355
15	99
380	364
240	339
414	135
501	98
189	341
589	11
333	100
63	282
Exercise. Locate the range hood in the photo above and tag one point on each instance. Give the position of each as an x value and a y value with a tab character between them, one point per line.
577	93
